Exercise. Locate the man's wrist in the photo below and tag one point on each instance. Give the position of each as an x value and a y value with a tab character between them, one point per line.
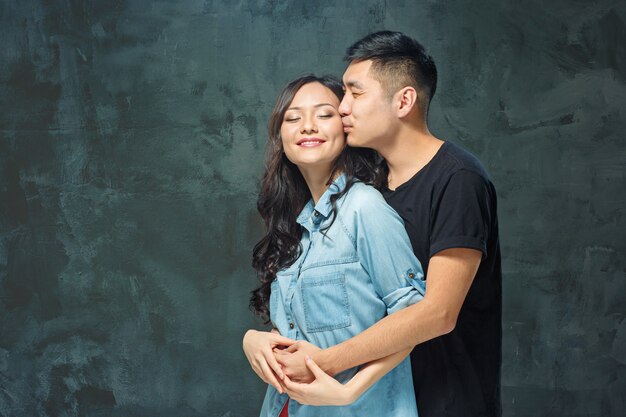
323	359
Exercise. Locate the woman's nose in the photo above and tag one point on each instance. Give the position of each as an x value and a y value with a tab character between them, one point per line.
308	125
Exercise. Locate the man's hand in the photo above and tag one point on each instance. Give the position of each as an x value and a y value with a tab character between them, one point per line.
293	362
258	348
324	390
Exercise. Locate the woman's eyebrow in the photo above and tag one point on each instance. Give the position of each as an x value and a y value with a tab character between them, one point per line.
316	106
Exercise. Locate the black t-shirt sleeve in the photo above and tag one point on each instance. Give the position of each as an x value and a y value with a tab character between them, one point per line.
462	214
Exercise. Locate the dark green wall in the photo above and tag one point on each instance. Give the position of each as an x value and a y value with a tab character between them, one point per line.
131	143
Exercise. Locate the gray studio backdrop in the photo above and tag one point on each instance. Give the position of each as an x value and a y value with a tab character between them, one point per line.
131	144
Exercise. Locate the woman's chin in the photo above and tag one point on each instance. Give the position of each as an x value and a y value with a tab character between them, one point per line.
314	164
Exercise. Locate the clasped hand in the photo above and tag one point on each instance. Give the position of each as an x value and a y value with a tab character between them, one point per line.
287	365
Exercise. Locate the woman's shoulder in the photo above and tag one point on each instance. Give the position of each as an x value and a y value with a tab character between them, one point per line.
363	194
365	206
363	200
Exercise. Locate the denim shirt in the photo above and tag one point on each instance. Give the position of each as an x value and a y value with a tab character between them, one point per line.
347	278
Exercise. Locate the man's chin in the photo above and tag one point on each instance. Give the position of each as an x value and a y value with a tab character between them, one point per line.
351	141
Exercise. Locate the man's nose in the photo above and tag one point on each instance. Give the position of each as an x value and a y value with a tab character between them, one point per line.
344	106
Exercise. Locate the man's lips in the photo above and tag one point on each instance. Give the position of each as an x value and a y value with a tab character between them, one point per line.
310	142
346	126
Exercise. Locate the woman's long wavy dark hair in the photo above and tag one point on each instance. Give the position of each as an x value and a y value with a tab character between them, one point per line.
284	193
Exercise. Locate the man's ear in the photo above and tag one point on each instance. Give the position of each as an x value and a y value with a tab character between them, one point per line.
406	100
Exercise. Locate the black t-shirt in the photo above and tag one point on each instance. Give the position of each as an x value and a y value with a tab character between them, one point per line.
451	203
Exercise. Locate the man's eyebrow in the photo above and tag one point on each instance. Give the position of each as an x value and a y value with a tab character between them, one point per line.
316	106
354	84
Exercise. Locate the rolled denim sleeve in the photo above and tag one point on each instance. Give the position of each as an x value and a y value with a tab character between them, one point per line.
385	252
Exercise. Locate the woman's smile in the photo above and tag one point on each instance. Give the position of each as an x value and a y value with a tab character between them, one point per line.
310	142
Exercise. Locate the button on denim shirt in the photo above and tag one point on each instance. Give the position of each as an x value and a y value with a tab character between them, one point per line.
351	273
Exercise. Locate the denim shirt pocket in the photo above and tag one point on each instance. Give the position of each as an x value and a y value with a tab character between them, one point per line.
325	302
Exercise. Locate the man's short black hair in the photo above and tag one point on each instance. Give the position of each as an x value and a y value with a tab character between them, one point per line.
398	61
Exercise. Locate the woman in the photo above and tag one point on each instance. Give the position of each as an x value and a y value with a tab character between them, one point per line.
335	258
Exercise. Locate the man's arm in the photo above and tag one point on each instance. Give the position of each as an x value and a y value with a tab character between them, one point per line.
450	274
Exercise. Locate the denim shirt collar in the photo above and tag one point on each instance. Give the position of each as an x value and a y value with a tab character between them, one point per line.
323	206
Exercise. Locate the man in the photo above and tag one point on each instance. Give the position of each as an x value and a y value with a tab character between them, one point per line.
449	207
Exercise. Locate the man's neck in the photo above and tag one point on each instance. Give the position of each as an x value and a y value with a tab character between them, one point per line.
408	154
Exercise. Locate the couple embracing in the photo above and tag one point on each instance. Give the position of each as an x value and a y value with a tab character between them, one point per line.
380	267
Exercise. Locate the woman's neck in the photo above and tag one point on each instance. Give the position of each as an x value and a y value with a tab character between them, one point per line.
317	181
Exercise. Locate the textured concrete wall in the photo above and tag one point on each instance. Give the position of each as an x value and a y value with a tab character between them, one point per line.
131	143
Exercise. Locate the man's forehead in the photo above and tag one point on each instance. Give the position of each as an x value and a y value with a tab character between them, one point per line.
357	73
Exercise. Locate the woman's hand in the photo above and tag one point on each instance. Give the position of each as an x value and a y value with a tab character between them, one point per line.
258	348
324	390
292	361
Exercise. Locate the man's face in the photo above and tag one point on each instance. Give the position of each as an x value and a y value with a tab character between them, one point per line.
366	110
